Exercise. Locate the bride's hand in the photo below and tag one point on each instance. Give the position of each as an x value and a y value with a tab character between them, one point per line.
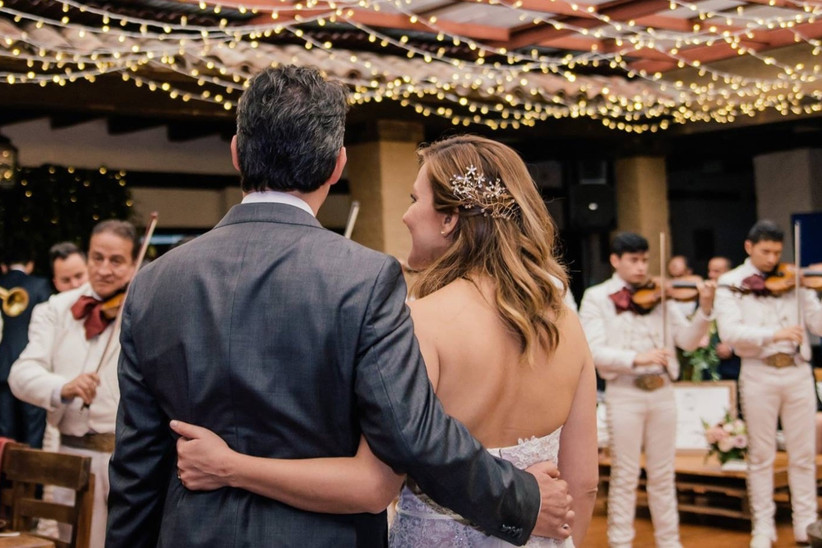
203	458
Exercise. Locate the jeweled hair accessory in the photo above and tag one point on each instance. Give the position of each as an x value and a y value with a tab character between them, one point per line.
472	189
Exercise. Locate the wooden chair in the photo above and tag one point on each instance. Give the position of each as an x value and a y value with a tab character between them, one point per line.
5	484
28	468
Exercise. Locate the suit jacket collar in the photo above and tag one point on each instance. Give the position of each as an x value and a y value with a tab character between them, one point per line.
14	276
268	212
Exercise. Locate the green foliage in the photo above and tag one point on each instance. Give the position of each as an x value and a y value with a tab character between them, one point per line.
703	359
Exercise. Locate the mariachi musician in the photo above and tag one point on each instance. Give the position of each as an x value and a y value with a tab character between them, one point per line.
632	342
768	328
20	292
69	366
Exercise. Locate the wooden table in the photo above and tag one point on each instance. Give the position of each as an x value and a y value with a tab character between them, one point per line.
704	488
25	541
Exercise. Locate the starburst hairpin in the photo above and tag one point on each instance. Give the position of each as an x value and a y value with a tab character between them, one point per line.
473	190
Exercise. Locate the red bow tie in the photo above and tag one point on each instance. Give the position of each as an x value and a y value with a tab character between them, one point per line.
624	303
91	309
755	284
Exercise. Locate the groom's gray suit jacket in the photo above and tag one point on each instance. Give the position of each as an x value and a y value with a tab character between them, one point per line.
288	341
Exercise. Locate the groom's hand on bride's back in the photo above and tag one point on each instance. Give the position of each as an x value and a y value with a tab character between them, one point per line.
555	516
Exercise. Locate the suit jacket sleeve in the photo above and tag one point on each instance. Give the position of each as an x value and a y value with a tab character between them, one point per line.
143	457
406	426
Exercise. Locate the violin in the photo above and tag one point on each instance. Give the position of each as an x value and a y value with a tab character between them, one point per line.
783	278
684	289
111	306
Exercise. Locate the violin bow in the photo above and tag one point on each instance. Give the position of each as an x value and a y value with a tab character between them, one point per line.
352	218
152	224
663	300
797	266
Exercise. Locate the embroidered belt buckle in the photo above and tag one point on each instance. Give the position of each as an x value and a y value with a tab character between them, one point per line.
649	382
780	360
93	442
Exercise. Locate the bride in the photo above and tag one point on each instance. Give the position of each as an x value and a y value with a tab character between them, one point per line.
503	353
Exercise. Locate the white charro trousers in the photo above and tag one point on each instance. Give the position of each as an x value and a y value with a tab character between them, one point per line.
638	419
769	393
99	517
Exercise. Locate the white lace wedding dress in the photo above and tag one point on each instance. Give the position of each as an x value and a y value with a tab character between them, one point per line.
421	522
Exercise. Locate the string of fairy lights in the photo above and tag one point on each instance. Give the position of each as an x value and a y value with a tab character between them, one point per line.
481	83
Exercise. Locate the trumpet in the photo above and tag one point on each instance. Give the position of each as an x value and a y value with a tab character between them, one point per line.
15	301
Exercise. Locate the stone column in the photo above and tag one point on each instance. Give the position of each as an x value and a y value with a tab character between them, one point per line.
382	166
642	201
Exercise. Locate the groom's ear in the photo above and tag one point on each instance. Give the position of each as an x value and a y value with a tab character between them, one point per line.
234	158
342	158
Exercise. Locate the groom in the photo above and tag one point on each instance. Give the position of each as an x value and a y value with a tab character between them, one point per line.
290	341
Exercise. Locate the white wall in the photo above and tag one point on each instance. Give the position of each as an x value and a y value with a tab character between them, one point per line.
89	145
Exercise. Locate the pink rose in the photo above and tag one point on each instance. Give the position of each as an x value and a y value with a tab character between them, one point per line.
740	441
726	445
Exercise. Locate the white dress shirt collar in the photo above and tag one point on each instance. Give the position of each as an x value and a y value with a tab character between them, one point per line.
615	283
87	290
750	269
276	197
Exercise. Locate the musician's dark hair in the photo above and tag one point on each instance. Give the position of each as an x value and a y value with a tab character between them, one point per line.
17	251
765	230
123	229
64	250
628	242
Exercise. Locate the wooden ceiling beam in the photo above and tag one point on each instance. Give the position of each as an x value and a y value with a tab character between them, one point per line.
783	37
642	53
401	21
720	51
616	11
395	21
790	4
665	23
703	54
575	43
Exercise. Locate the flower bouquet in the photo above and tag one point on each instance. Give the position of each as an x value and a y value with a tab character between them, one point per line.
704	361
728	440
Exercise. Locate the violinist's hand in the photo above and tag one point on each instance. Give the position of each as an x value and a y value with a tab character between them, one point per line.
203	458
657	356
82	386
792	334
707	291
724	351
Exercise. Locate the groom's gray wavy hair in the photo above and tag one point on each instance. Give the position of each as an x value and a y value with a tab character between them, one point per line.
290	127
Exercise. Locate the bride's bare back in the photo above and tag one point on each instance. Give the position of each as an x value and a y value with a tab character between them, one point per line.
476	365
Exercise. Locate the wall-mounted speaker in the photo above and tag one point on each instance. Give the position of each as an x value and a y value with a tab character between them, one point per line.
592	207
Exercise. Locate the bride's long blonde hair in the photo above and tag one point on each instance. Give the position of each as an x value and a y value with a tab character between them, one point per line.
517	251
